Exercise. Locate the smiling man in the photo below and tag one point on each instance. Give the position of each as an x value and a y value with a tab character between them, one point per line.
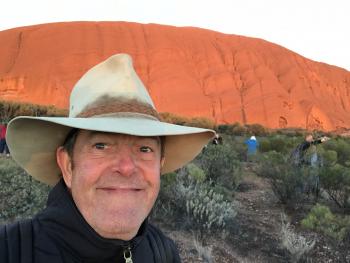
105	162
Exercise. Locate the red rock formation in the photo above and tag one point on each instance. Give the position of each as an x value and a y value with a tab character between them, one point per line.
189	71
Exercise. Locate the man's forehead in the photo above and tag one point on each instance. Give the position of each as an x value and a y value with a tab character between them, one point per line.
94	134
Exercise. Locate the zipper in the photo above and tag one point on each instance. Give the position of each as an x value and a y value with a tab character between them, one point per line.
128	255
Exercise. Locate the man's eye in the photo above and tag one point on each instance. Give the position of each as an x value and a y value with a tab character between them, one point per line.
100	145
146	149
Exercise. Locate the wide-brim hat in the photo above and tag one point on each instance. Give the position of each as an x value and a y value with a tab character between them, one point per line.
110	97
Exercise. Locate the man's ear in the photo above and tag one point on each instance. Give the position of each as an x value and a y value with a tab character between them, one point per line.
162	161
65	164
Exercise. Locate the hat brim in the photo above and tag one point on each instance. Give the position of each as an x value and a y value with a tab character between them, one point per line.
33	140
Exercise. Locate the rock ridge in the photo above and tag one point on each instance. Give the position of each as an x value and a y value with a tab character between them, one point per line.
188	71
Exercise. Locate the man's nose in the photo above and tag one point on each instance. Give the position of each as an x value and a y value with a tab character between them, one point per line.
124	162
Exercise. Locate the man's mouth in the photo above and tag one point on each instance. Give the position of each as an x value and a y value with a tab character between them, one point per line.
119	189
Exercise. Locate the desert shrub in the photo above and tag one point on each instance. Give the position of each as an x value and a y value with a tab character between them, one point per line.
200	207
341	147
237	146
238	129
278	143
322	220
292	132
204	252
200	122
256	129
335	180
221	165
170	202
173	118
207	209
232	129
281	144
9	110
20	195
243	130
224	128
196	172
329	157
297	245
287	181
166	205
265	145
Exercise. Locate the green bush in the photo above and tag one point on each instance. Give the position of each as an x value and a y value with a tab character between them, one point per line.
207	209
173	118
221	165
265	145
256	129
20	195
287	181
196	172
236	145
335	180
341	146
238	129
224	129
329	157
321	219
200	122
292	132
278	143
185	196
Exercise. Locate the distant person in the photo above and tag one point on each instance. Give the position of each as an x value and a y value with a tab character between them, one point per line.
217	140
252	145
4	150
299	159
298	155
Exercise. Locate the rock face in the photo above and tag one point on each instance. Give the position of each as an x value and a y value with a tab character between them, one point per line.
188	71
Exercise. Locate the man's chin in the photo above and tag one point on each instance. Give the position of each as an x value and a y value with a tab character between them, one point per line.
123	230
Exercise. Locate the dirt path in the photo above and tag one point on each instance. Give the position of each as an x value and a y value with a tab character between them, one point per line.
258	221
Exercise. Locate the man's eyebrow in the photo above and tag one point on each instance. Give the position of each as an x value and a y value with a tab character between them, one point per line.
92	134
154	138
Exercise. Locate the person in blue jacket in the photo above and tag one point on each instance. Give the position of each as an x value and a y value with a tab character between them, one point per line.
252	145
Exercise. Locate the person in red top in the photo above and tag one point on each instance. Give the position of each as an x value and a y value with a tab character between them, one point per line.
3	145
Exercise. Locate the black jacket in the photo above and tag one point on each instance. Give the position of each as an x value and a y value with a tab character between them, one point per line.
60	234
297	156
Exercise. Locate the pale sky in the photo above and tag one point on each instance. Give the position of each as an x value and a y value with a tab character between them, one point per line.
316	29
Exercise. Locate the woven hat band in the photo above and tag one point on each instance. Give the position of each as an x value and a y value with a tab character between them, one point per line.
118	106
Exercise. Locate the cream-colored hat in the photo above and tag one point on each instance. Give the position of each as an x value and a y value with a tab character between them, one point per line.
110	97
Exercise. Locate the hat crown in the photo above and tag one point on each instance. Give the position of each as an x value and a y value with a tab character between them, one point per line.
110	87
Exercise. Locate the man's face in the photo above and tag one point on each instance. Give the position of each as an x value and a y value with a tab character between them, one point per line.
114	180
309	138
